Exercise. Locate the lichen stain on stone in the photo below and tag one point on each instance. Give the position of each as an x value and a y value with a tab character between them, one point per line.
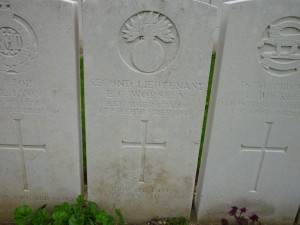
162	176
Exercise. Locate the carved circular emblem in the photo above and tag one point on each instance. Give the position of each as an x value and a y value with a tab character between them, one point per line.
148	42
18	42
279	48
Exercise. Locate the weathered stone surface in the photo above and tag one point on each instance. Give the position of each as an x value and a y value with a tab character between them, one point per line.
40	145
147	65
252	150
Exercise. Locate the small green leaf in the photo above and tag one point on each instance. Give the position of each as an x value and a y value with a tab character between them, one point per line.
72	220
76	220
64	207
80	200
91	222
23	214
60	216
110	220
101	217
76	210
120	216
105	219
40	217
93	208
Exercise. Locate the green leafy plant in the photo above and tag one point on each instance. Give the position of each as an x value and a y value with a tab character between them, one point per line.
80	213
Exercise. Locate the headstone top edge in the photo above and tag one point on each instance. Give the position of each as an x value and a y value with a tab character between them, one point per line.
237	2
72	2
204	3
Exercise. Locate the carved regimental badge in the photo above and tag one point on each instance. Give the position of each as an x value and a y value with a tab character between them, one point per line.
148	42
18	42
279	49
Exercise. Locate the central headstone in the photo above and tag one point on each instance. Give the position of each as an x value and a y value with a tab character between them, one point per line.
147	65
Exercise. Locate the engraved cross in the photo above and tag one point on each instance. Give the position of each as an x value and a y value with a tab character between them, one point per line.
22	148
262	150
144	145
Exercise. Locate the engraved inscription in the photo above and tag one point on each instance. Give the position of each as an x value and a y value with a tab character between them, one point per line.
279	49
148	42
35	197
262	150
147	97
140	192
18	42
22	148
261	99
144	145
18	95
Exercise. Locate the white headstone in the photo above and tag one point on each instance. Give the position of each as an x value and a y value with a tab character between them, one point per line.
147	65
40	146
252	150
